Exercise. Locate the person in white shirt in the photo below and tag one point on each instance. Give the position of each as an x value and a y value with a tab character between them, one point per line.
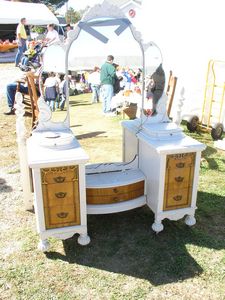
94	81
52	35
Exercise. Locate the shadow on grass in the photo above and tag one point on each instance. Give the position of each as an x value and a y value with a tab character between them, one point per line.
4	188
89	135
79	103
124	243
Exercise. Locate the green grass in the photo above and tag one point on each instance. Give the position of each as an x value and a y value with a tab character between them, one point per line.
125	259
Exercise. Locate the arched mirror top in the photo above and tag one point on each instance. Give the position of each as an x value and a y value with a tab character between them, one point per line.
103	30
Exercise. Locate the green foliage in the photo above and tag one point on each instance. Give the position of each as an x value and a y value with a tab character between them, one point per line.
72	16
38	29
55	3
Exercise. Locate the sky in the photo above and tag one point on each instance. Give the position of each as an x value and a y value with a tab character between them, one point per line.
78	4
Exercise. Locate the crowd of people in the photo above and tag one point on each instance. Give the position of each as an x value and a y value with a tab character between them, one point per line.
29	58
105	82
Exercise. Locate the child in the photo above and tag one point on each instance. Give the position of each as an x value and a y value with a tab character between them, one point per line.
28	54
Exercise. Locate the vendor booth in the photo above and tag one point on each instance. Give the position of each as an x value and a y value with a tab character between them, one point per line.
12	12
160	164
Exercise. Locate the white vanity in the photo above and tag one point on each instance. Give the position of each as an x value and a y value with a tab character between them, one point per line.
160	164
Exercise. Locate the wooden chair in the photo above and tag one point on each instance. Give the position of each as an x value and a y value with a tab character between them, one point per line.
172	82
33	97
30	99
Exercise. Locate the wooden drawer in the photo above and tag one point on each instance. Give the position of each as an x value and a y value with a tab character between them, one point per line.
178	198
179	178
115	194
180	161
59	174
61	216
60	194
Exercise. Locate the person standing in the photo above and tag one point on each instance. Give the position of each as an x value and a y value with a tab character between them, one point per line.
21	40
51	89
94	81
107	77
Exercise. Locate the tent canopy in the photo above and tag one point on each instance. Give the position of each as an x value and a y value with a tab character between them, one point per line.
36	14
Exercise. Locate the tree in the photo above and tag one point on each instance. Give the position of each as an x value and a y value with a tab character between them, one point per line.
72	16
55	3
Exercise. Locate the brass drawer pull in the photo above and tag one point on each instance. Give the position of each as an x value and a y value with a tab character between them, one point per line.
115	198
177	198
115	190
59	179
179	179
60	195
180	165
62	215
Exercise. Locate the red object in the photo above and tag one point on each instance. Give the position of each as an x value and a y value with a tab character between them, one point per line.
132	13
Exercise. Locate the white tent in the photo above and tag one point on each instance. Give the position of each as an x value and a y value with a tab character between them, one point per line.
36	14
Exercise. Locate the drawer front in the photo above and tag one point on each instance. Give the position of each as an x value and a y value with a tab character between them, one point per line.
59	174
179	178
178	198
60	194
61	216
114	191
180	161
107	199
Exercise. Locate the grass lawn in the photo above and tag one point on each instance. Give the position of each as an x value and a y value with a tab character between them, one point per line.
125	259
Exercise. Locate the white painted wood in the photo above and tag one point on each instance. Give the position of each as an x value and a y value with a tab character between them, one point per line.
111	167
156	141
40	156
114	179
51	157
115	207
21	142
130	145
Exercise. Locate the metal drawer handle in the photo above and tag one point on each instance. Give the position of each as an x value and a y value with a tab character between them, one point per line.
59	179
177	198
62	215
116	198
179	179
115	190
180	165
60	195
